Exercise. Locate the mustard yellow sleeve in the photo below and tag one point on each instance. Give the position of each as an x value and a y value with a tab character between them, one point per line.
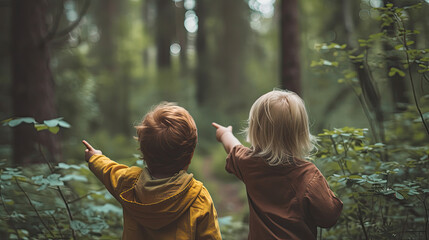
108	172
207	224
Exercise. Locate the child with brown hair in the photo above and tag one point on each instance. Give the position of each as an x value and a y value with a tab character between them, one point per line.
162	200
288	196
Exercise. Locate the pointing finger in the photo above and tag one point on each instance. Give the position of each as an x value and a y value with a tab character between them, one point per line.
87	145
216	125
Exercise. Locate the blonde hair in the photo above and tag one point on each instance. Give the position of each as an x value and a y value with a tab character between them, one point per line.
278	128
167	137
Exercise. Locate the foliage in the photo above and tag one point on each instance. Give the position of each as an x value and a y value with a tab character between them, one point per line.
384	187
53	202
381	177
366	70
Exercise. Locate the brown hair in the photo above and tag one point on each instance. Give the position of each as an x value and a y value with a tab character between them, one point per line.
167	136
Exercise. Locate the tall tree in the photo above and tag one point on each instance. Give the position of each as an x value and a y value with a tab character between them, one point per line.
32	81
202	75
370	97
181	35
398	86
230	54
113	94
289	40
165	31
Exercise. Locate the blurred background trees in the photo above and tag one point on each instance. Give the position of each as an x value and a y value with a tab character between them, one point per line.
102	64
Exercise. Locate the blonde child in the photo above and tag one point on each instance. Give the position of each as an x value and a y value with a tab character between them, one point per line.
162	200
288	196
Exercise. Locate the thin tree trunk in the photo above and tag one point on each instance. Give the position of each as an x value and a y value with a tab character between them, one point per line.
113	96
32	81
164	31
231	52
398	86
181	35
202	76
290	67
371	101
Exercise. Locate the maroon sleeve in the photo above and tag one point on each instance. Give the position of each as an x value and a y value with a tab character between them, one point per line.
233	160
323	206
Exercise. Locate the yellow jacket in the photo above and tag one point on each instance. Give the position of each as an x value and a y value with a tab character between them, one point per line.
178	207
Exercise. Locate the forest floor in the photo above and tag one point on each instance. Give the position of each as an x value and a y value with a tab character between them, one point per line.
227	192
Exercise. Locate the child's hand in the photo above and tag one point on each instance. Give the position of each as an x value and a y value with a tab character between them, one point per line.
220	130
225	136
89	151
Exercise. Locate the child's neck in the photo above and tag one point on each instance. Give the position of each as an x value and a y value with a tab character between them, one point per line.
163	175
160	175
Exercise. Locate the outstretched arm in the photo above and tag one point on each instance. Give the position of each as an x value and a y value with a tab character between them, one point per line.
107	171
225	136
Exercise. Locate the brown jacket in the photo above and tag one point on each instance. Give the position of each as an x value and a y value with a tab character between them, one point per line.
285	202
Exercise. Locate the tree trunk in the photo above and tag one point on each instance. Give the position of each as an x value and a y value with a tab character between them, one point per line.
32	82
165	31
231	55
182	35
113	94
289	40
202	76
398	86
370	99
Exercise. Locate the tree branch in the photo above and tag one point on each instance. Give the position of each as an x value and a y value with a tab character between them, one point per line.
34	208
404	43
82	197
362	224
57	21
68	29
7	212
59	190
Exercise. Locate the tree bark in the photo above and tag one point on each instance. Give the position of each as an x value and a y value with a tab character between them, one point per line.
230	58
113	94
164	32
202	76
182	35
289	40
398	86
32	81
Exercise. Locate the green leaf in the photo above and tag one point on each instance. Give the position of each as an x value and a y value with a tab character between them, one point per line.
5	176
64	124
410	43
54	180
52	122
399	196
394	71
54	130
17	121
77	225
5	122
51	180
355	177
74	177
40	127
399	47
9	201
68	166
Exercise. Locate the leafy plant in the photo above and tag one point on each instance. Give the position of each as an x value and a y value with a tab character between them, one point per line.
41	202
382	199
